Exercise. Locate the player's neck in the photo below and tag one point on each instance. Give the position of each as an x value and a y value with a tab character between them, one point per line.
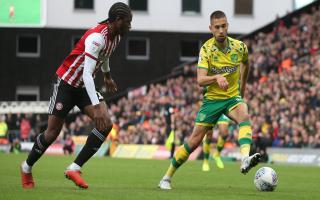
112	33
222	45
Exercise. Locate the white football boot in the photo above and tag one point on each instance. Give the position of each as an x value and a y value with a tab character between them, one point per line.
165	184
248	162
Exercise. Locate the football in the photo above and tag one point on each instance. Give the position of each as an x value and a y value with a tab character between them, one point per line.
266	179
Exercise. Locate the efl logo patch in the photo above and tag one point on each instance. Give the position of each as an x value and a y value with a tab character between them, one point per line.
95	46
59	106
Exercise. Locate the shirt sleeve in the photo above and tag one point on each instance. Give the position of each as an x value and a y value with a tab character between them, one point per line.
94	43
203	61
245	54
89	66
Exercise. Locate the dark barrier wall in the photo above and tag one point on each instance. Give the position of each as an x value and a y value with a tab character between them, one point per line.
56	44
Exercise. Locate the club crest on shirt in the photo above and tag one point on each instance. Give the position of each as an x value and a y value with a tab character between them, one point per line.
202	116
59	106
234	57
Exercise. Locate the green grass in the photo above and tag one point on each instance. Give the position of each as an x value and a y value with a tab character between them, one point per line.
137	179
25	11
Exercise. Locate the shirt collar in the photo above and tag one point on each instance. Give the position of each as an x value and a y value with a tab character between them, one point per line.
215	48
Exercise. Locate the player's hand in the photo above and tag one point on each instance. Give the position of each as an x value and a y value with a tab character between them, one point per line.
111	86
100	117
222	82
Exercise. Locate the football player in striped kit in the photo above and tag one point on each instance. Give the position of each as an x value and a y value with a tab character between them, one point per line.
75	87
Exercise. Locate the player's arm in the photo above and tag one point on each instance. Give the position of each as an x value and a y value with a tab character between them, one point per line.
93	45
205	80
109	83
244	70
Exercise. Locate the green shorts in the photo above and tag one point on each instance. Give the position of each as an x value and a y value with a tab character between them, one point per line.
211	110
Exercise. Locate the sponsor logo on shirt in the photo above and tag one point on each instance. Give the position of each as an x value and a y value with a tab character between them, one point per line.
225	69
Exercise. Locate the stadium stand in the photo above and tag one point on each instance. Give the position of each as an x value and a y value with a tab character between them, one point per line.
285	71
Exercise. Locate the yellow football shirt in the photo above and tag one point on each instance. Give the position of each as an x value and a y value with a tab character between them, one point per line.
226	64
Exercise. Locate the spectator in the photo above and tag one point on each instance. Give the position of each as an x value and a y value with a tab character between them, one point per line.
68	145
25	129
3	127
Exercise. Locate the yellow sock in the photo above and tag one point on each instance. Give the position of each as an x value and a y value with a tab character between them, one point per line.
180	157
206	149
245	138
220	145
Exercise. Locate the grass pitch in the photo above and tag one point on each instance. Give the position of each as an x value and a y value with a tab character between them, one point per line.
138	179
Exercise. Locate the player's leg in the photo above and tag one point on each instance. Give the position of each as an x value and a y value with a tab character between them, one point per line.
93	143
240	114
41	144
95	138
182	154
60	105
206	150
223	124
206	118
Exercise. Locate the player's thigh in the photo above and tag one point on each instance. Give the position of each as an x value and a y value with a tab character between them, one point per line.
239	113
89	110
223	129
84	103
223	125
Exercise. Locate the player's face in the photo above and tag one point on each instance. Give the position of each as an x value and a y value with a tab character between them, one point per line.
219	28
124	25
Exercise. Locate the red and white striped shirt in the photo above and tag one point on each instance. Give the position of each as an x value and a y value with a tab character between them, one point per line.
96	44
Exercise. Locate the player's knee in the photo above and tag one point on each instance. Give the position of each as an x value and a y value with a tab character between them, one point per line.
108	128
224	132
245	117
195	141
51	134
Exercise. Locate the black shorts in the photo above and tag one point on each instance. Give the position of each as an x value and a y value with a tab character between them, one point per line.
65	97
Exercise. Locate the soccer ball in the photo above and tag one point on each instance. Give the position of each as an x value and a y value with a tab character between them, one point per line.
266	179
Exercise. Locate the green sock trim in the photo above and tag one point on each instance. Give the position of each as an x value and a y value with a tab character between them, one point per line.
246	123
186	146
206	156
175	163
224	137
243	141
219	148
207	142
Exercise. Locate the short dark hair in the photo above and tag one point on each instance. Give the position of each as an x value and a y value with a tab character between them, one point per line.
119	9
217	15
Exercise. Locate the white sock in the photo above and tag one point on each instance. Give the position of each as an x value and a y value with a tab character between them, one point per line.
26	168
74	166
166	177
243	158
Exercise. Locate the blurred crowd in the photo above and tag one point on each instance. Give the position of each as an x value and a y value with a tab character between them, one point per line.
282	94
